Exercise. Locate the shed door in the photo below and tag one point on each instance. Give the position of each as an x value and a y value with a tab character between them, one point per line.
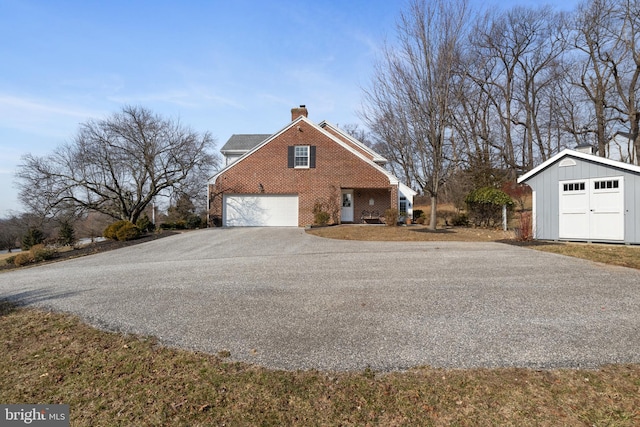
607	209
592	209
574	209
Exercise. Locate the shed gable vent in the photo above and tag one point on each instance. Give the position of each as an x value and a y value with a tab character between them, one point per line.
567	162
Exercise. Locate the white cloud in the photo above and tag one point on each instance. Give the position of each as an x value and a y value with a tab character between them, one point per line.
30	106
41	116
192	97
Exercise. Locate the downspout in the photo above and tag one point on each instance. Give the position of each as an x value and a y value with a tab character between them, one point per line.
208	204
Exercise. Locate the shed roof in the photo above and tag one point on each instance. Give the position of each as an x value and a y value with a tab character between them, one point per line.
579	155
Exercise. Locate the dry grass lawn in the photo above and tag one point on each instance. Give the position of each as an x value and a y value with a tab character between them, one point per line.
109	379
412	233
5	256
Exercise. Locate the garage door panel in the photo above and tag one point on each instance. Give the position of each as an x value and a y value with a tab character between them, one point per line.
262	210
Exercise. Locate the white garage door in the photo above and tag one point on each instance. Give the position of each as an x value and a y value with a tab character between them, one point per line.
592	209
260	210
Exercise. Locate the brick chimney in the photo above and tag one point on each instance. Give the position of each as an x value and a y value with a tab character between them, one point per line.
299	111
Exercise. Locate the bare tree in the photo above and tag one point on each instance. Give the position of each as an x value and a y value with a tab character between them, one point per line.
626	70
478	125
357	132
514	60
413	89
117	166
11	230
594	46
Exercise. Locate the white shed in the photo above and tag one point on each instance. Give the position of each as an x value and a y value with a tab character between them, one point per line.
583	197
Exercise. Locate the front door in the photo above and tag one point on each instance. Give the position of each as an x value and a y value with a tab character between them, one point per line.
346	212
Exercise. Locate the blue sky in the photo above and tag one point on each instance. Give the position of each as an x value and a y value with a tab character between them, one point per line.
220	66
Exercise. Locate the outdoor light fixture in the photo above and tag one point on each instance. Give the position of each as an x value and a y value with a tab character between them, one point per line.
261	188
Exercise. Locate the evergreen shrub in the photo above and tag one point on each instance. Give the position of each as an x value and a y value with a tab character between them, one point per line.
485	206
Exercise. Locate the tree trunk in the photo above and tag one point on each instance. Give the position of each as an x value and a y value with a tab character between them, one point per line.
434	206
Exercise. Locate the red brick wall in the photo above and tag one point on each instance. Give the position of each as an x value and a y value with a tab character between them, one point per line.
336	168
381	201
346	141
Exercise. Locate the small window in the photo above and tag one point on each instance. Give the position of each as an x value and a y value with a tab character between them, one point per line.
301	156
606	185
574	186
403	205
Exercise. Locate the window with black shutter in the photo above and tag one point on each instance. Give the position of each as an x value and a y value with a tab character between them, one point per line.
301	156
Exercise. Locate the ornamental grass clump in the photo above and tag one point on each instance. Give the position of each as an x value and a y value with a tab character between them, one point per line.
391	217
37	253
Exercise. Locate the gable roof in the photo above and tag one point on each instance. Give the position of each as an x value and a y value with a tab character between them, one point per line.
579	155
393	180
243	142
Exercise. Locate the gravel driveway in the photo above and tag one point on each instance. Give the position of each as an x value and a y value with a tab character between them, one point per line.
280	298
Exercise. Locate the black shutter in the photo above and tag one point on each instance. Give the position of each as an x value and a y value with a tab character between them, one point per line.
312	156
291	156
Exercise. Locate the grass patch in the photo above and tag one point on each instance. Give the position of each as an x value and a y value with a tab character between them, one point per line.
620	255
624	256
413	233
110	379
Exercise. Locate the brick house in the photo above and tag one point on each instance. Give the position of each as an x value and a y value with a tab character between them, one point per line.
278	179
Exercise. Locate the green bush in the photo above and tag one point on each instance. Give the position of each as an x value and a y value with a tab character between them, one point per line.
177	225
112	229
460	220
391	217
194	221
41	253
37	253
320	215
121	230
127	231
66	234
33	236
321	218
144	224
485	205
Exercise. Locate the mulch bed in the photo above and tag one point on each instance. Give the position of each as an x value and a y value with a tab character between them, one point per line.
96	247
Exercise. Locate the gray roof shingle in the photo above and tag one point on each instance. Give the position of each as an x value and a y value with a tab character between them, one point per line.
243	142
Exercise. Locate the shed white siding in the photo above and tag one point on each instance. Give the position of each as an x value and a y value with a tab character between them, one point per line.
608	214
